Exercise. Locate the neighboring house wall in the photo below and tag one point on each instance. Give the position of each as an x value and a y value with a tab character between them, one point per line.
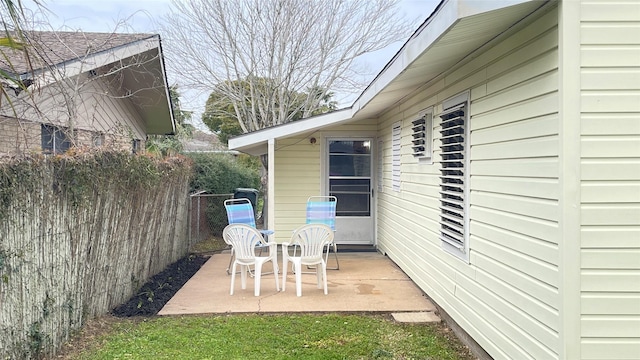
507	296
93	109
102	108
610	178
18	136
90	104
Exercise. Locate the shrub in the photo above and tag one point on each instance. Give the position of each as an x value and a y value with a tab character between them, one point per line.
222	174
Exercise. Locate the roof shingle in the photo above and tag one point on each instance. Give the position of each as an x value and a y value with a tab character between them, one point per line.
49	48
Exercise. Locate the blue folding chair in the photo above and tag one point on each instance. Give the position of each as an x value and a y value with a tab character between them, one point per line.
322	210
240	211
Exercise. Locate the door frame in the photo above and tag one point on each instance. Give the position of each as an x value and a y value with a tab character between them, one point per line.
324	171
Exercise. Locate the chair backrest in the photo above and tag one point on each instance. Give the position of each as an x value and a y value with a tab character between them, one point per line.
243	238
322	210
312	238
240	211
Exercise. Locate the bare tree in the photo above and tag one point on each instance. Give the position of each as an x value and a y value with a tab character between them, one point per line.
259	52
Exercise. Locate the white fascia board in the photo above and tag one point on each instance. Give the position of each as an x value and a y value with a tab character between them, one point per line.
75	67
289	129
165	81
428	34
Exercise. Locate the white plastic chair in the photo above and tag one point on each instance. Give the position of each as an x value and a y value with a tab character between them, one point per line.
322	210
240	211
244	239
310	240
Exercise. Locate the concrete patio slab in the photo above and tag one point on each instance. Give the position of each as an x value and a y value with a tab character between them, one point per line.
366	281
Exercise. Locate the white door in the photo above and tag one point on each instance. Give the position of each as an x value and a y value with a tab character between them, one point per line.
349	178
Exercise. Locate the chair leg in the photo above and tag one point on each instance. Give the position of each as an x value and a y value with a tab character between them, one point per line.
285	263
324	277
318	277
298	267
233	278
257	276
243	275
230	262
276	271
335	254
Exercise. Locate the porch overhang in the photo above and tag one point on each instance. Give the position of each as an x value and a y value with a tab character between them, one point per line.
455	31
255	143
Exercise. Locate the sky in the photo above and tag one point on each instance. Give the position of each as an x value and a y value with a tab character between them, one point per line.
142	16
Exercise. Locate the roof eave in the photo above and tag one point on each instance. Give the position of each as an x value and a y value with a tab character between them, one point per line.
380	94
159	97
255	143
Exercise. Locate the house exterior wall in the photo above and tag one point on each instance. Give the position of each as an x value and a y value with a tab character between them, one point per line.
610	180
91	103
298	173
507	296
297	169
18	137
92	108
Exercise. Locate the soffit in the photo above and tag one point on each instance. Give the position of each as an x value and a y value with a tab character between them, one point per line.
455	44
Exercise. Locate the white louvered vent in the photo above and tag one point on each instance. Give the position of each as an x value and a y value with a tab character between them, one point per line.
418	129
452	184
395	155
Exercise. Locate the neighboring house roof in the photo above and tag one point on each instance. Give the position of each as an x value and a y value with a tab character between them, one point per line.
73	53
455	30
203	142
55	48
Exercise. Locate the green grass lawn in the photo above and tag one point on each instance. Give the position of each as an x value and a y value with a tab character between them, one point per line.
328	336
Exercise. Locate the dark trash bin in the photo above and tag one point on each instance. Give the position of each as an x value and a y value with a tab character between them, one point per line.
247	193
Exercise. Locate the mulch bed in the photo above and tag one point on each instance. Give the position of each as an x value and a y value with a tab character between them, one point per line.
153	295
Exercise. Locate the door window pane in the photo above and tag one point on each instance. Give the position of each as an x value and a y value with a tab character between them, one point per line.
350	158
353	196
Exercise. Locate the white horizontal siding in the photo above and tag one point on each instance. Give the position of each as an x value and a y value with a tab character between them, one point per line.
600	348
507	298
618	303
610	187
610	237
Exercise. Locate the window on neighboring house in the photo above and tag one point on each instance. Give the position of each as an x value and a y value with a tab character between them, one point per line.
135	146
55	139
422	133
395	155
97	139
454	177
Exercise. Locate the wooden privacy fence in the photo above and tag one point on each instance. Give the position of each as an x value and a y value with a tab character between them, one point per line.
71	251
